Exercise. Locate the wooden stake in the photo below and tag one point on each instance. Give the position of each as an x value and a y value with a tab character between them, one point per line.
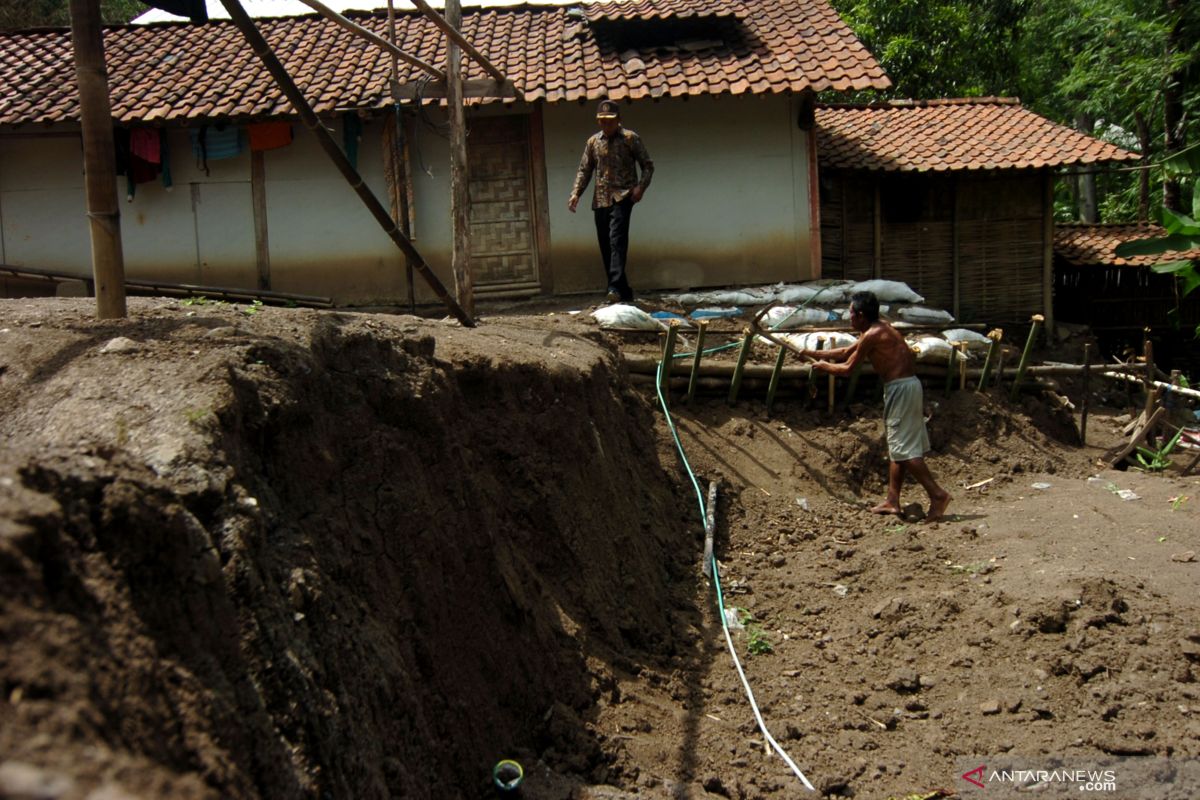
992	358
99	159
1148	382
962	366
775	373
460	197
259	45
668	359
710	527
702	327
1087	380
950	368
1138	437
1024	362
831	382
736	382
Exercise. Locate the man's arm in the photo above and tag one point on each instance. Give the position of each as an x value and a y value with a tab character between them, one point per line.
856	352
642	157
587	165
838	354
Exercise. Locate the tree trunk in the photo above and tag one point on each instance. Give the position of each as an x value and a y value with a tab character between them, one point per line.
1088	211
1143	134
1173	103
99	159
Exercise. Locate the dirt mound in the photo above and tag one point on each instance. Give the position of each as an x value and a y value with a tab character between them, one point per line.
310	556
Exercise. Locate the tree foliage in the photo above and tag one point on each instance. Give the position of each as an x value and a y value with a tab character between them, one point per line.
1123	69
18	14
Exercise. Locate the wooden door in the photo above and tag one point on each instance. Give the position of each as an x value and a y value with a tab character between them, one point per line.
503	244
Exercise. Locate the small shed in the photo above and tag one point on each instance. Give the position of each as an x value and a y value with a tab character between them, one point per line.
1121	298
953	197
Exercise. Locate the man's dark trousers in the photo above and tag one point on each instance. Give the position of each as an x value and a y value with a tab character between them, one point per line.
612	231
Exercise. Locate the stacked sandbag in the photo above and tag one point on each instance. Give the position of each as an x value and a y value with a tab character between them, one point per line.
622	316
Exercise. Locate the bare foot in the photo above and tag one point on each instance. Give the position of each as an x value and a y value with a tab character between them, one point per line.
886	507
937	508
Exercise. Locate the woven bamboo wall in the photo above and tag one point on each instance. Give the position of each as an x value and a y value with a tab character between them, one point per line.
1000	232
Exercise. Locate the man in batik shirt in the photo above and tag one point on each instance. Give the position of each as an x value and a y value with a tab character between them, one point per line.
613	154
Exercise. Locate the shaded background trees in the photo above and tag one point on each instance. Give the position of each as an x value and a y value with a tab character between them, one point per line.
1124	70
17	14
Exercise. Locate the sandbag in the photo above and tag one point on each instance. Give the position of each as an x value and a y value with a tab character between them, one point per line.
933	349
810	341
925	316
820	293
625	317
887	291
974	339
784	317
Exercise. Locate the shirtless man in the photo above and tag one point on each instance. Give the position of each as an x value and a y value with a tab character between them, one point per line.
903	401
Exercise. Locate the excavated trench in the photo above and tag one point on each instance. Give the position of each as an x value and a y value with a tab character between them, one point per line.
348	567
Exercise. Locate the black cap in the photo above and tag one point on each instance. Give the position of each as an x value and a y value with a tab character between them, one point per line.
607	110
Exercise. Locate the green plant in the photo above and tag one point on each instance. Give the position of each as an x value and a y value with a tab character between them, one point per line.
1183	233
757	641
1158	460
196	300
196	415
1178	500
254	307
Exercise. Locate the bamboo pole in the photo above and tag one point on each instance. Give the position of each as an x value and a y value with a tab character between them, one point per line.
1138	437
1087	380
736	381
1024	362
99	159
1148	382
1131	379
962	366
668	358
774	384
852	386
451	30
460	196
259	45
701	328
995	335
831	384
374	38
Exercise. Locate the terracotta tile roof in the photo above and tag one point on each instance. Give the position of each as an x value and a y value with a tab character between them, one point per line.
1095	245
180	72
959	134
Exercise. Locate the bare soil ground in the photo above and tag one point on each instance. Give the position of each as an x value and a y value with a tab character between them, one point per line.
318	554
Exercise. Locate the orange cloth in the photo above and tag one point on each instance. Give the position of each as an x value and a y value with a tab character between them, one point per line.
270	135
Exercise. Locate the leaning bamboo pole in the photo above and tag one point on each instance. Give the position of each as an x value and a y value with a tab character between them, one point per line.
259	45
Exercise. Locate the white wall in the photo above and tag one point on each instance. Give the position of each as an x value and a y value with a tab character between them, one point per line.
728	202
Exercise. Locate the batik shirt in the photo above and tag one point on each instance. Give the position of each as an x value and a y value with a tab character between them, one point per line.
615	161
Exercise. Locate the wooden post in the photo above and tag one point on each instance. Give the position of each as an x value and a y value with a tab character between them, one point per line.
691	390
460	199
853	384
99	159
773	386
962	366
1024	362
831	383
950	361
259	45
258	197
1087	379
995	335
743	354
1152	393
668	358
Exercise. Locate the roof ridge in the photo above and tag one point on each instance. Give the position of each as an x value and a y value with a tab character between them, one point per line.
885	105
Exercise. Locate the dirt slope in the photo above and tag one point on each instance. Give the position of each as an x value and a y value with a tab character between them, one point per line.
312	554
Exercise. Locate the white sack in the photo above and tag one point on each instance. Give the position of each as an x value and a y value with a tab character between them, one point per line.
924	316
783	317
810	341
626	317
887	291
931	348
974	339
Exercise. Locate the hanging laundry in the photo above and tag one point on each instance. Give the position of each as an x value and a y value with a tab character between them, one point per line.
146	144
351	134
214	142
270	135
